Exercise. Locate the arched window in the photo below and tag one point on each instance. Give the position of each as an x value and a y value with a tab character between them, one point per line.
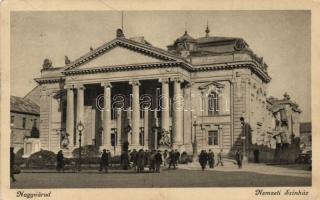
213	103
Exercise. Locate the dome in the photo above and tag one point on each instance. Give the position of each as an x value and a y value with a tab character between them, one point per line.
185	38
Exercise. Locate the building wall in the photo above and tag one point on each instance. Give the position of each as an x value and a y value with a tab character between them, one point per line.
50	117
18	132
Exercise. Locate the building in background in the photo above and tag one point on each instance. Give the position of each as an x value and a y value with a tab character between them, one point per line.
24	120
306	136
219	79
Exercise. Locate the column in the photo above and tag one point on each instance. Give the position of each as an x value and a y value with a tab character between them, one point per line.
177	113
146	127
70	114
165	104
119	129
135	112
80	109
106	121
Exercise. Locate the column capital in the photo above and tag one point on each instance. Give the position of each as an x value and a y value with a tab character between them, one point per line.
69	86
177	79
106	84
134	82
164	80
79	86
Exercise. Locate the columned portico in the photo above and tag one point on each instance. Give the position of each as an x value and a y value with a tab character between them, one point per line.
106	121
177	113
70	114
165	104
135	113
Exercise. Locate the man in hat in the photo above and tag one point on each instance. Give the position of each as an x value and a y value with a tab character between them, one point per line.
211	158
158	161
60	161
203	159
104	161
172	157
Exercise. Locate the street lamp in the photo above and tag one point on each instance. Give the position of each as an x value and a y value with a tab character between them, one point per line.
245	158
195	148
80	128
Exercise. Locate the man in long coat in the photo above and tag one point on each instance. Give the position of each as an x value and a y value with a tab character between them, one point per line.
60	159
203	159
140	160
104	161
158	161
172	157
211	158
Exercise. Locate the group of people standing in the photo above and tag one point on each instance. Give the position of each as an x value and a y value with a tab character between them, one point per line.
208	158
143	159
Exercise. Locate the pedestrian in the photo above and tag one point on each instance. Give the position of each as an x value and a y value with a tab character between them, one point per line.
133	159
104	161
146	158
220	158
172	157
211	158
152	161
12	162
140	161
177	156
60	161
124	160
203	159
239	158
158	161
165	155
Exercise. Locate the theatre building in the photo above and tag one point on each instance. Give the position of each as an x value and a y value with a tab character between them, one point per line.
189	96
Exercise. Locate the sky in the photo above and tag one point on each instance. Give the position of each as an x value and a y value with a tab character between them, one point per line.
282	38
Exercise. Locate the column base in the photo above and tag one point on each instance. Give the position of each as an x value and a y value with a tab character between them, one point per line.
136	147
178	146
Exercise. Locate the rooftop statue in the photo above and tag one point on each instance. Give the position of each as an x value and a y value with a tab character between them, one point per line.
66	60
47	64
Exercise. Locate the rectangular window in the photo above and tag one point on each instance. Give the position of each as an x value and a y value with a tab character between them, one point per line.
35	123
113	137
24	122
12	120
213	138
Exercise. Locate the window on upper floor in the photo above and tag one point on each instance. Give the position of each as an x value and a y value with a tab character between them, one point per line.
24	121
12	120
35	122
213	103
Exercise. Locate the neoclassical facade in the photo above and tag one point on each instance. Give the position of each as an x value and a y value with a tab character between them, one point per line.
189	97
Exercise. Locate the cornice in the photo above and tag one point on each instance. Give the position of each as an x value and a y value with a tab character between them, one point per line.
102	69
49	80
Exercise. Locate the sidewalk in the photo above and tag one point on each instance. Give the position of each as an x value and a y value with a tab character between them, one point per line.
230	166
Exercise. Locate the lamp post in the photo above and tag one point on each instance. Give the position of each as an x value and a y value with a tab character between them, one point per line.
195	150
80	128
245	158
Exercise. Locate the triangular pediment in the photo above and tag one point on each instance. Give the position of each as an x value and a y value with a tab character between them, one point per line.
119	56
121	52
